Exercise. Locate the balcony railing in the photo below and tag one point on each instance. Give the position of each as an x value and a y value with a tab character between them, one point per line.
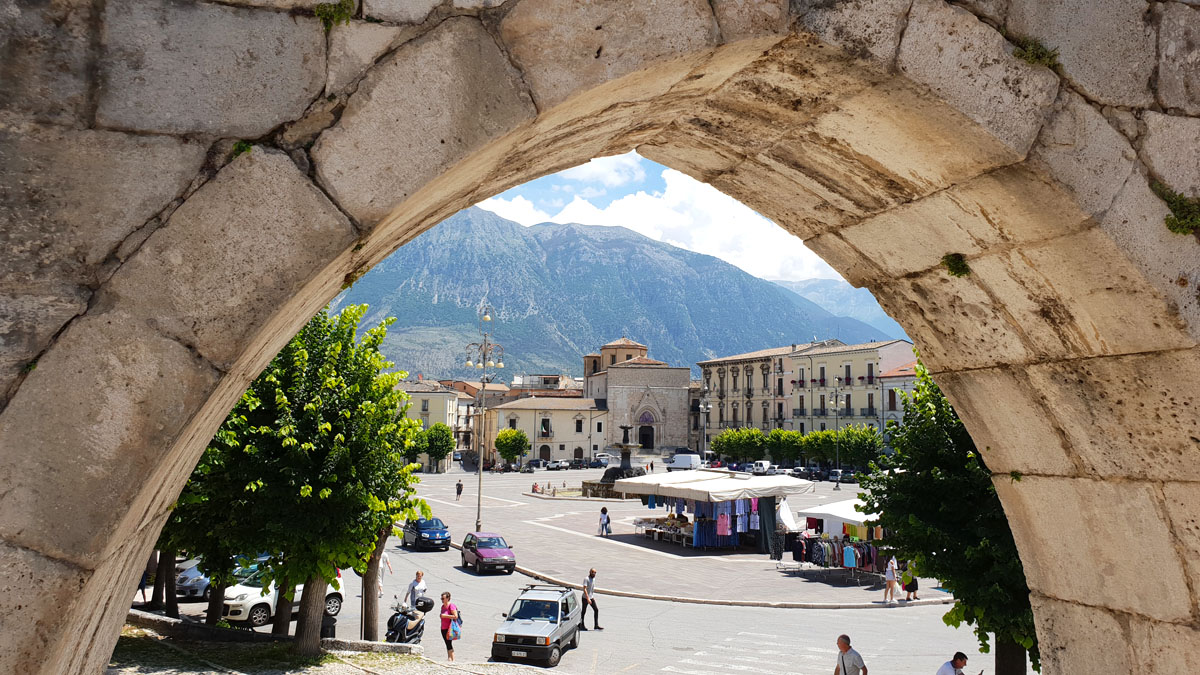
749	392
820	412
798	412
870	379
545	434
845	412
868	412
721	393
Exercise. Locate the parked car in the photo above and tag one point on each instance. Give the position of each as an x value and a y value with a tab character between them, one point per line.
458	455
192	583
248	602
760	467
487	551
598	463
578	464
607	456
537	463
426	533
542	622
717	464
799	472
556	464
527	469
683	462
835	475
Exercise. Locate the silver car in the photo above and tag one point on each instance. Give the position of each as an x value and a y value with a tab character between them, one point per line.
543	621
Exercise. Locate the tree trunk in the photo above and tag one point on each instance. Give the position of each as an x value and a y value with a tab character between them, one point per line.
312	610
216	604
283	611
370	608
1010	657
172	600
160	581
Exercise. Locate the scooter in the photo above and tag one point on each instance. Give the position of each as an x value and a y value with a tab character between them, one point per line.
407	624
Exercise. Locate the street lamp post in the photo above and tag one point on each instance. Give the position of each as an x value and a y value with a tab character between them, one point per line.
705	408
837	448
481	356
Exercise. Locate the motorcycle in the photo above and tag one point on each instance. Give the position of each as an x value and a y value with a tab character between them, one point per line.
407	624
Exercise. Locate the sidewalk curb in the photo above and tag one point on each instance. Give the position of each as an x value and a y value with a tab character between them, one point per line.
579	499
728	603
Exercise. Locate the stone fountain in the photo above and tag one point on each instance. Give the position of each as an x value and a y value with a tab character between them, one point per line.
626	469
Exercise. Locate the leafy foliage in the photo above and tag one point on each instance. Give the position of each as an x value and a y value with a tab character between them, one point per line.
333	13
511	444
1033	52
241	146
316	439
1185	211
943	513
956	264
859	444
438	441
746	443
784	445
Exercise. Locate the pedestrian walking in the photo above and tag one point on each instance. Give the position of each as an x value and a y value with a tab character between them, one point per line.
651	467
142	585
890	576
605	523
849	661
955	665
449	618
379	578
908	577
416	589
589	598
458	491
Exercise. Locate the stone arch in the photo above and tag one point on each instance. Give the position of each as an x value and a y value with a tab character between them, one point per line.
153	269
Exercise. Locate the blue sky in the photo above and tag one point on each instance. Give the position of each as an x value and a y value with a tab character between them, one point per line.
631	191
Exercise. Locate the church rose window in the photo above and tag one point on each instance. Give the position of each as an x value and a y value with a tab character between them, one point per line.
646	418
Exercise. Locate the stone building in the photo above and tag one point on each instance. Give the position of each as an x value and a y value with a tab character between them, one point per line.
639	391
431	403
557	427
838	384
900	379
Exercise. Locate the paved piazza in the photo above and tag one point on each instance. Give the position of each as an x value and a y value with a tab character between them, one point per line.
644	636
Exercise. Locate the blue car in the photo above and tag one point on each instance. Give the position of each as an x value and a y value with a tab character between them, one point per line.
426	533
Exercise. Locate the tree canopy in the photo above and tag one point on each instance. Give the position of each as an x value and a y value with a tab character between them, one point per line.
438	441
942	512
511	444
745	443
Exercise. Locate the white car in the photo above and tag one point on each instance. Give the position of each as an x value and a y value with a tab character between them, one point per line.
760	468
556	464
246	601
774	469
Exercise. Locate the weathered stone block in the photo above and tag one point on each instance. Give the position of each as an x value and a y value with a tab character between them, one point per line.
992	10
44	47
1164	648
207	68
1076	638
204	277
1183	510
848	261
1179	57
741	19
1106	47
399	11
1105	293
477	4
988	401
1131	416
920	144
30	315
967	64
1169	149
120	393
1083	152
1060	524
869	29
368	168
354	48
566	47
71	196
1170	262
35	589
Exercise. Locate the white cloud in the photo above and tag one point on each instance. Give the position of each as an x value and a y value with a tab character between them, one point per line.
518	209
608	171
688	214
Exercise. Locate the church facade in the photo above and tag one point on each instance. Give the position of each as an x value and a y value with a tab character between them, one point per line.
649	395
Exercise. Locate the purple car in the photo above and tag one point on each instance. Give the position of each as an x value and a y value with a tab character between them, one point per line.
487	551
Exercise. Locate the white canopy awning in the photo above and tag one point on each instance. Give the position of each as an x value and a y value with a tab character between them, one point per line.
712	485
840	512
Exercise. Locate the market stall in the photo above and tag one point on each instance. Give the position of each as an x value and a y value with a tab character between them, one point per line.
709	508
836	535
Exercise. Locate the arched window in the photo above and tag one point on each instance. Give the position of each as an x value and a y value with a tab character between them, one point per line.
647	417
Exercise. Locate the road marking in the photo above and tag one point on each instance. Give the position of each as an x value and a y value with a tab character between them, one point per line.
731	666
766	635
748	659
459	505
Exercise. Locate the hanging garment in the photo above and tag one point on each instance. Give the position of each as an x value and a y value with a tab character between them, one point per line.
849	557
723	525
754	504
651	501
754	521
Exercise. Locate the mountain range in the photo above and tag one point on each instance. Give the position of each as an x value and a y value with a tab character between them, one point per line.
841	298
561	291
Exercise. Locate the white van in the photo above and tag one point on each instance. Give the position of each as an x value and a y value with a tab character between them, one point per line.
683	462
760	467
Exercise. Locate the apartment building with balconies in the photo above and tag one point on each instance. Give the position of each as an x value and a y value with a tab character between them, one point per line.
753	389
837	384
557	427
431	403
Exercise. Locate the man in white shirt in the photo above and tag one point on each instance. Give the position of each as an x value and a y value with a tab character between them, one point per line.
955	665
849	662
589	598
416	589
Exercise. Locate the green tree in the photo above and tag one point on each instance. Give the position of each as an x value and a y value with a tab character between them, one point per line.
439	442
942	512
318	438
745	443
859	444
784	445
413	451
511	444
819	446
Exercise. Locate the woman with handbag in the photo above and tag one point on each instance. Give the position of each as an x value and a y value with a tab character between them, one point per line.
451	625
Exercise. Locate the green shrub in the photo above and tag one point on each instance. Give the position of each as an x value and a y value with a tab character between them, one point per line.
956	265
1034	53
1185	211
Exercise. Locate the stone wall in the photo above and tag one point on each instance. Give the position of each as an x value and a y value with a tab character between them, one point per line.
662	391
152	264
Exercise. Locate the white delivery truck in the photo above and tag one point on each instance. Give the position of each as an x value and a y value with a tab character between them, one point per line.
683	461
